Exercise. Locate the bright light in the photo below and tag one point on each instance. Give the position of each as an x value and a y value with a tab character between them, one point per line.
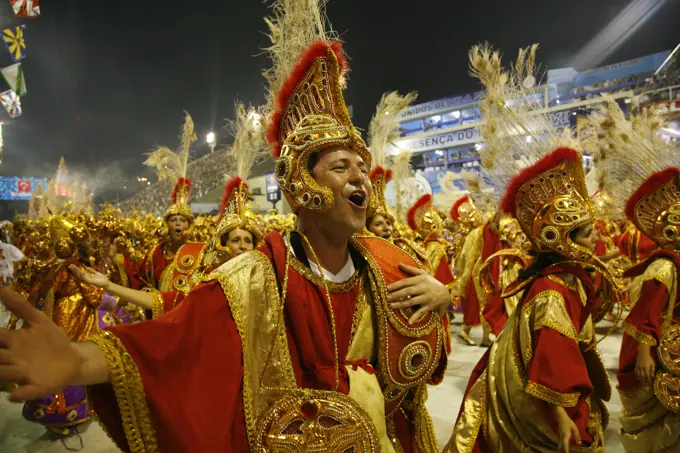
211	138
456	114
528	138
557	101
478	146
387	113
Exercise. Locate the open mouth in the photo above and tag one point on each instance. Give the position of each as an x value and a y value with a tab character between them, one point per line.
358	198
178	231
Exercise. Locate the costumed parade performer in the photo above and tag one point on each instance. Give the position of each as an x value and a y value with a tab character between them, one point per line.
540	386
648	376
320	340
166	266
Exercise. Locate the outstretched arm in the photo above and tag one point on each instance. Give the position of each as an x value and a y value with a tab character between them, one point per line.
39	357
140	298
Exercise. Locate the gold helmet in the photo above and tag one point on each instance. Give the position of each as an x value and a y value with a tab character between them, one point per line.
180	201
465	211
310	116
377	204
423	218
550	200
234	213
655	208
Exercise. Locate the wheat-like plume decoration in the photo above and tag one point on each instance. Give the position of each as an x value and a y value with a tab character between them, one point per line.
384	126
249	146
516	130
293	26
171	165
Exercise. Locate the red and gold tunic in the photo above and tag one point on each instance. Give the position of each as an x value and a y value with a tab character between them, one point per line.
646	423
150	271
203	350
479	245
540	363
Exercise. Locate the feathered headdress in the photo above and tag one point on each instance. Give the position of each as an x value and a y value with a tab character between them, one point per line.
307	109
645	165
383	130
423	218
384	126
172	166
248	148
548	196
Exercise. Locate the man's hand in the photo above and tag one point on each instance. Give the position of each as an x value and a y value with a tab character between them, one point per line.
566	429
645	368
90	276
420	289
39	357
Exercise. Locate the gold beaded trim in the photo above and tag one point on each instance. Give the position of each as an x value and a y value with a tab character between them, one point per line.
552	396
129	390
335	288
157	305
639	336
417	348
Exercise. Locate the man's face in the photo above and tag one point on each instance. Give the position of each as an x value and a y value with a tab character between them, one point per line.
177	225
380	226
345	173
239	241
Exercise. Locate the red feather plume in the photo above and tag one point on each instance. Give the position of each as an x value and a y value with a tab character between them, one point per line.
411	215
378	171
229	187
454	209
648	187
508	205
314	51
180	182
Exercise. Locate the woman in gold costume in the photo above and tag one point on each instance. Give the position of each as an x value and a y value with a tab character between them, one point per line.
539	387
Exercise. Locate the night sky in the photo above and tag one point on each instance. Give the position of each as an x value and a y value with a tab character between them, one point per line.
129	68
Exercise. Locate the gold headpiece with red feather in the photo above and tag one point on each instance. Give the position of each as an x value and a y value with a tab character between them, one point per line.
173	166
308	111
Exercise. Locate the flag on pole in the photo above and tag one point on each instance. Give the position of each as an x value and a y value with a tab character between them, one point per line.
26	8
14	76
14	40
11	102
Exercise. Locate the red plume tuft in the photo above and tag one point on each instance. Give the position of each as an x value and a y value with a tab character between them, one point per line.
180	183
508	204
454	210
229	187
314	51
411	216
648	187
381	171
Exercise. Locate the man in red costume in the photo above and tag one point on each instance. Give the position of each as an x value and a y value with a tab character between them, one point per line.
320	339
165	268
480	244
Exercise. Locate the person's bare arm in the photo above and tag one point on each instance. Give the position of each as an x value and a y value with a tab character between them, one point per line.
92	368
143	299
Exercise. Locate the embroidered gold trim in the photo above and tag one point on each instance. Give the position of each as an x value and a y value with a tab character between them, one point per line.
157	305
640	337
129	390
549	311
552	396
335	288
120	264
661	270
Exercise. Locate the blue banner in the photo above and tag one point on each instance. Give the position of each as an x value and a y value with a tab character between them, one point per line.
16	188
